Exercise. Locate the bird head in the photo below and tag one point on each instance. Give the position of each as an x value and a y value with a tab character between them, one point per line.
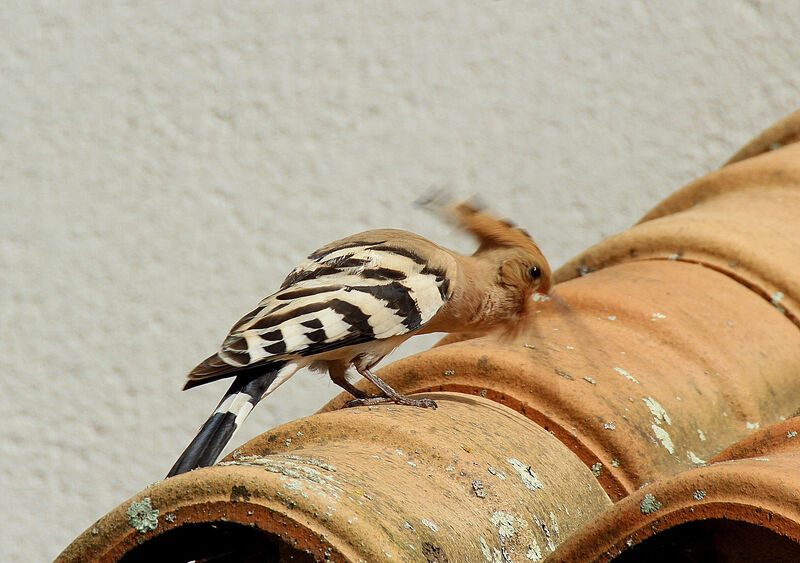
520	262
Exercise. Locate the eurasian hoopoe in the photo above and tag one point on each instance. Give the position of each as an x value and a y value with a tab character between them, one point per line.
354	301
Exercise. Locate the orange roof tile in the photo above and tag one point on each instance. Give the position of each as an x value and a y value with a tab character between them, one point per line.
664	381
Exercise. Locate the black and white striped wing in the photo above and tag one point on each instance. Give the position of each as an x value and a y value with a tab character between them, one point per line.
353	291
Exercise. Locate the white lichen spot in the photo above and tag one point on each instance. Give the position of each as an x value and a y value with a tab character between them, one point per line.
649	504
408	526
614	463
504	523
694	459
791	434
570	347
673	256
531	346
610	425
628	376
288	441
499	474
450	468
590	380
699	494
658	412
554	524
387	555
539	297
300	434
433	527
663	436
760	459
597	468
487	553
449	372
529	478
658	316
293	485
776	300
752	425
612	317
399	452
701	434
411	463
534	551
142	516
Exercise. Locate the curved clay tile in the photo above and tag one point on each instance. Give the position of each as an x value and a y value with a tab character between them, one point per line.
683	340
741	220
469	480
643	369
774	439
784	132
746	509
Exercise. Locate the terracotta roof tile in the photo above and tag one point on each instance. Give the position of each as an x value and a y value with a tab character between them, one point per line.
665	381
373	483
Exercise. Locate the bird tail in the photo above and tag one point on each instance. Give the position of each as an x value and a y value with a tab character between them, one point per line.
244	394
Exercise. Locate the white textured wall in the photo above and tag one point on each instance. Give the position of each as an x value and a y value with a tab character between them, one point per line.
164	164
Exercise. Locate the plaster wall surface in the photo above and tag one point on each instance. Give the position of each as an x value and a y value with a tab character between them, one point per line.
163	165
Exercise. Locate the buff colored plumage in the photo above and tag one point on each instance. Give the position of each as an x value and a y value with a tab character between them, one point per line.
355	300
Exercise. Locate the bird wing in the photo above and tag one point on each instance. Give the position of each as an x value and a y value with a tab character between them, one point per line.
367	287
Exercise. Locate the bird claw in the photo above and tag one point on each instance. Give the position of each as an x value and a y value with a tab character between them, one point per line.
399	400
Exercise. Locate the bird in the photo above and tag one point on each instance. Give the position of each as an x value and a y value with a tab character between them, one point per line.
353	301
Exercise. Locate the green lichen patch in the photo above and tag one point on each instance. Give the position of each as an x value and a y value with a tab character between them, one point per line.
649	504
142	516
776	301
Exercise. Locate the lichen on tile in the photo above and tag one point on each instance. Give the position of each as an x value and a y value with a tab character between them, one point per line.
628	376
776	300
529	478
142	516
534	552
430	525
694	458
649	504
659	413
664	438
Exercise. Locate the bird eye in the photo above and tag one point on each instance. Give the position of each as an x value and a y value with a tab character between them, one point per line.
535	273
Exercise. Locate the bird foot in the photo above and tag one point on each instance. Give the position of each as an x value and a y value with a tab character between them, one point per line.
399	400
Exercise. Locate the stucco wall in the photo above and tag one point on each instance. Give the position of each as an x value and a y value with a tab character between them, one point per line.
164	164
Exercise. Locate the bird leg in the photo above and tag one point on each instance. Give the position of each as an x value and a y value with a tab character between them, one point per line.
389	394
336	370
